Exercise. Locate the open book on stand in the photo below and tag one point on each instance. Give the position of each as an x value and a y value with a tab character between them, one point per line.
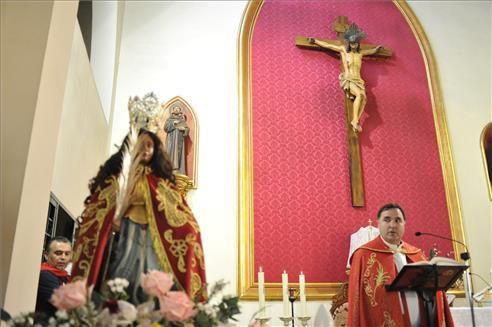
437	274
440	261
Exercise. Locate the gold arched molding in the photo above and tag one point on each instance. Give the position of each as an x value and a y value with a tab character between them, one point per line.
246	287
443	141
486	145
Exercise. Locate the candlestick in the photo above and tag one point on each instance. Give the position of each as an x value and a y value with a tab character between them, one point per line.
285	294
263	321
303	321
261	292
293	293
302	292
286	320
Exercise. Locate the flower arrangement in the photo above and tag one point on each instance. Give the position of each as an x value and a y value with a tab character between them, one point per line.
165	307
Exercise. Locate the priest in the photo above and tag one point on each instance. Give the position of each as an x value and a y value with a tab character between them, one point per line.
376	264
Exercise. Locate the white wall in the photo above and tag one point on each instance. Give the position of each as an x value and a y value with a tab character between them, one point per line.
103	48
460	35
48	92
84	132
24	33
54	134
189	49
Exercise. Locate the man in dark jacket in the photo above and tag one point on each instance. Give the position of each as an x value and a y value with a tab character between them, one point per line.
58	255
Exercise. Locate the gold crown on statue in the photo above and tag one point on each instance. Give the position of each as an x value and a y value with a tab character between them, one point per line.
146	113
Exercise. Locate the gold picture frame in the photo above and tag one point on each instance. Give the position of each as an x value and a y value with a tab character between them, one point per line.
247	288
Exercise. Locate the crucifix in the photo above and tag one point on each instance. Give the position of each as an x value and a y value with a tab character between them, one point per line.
351	51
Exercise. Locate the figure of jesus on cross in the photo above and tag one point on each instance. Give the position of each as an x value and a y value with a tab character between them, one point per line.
350	80
351	51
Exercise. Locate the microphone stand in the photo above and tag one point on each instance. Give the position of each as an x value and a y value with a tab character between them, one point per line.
480	294
465	256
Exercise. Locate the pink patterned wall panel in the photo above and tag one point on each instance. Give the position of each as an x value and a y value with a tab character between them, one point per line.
303	216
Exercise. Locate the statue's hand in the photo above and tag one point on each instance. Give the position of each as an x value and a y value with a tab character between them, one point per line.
115	226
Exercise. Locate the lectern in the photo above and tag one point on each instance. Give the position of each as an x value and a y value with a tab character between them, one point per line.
426	279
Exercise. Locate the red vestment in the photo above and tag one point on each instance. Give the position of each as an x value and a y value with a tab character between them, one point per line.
373	267
174	232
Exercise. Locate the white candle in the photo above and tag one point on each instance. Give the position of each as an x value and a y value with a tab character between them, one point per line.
285	294
302	290
261	292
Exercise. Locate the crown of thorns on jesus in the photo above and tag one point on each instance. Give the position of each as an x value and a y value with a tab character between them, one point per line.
354	34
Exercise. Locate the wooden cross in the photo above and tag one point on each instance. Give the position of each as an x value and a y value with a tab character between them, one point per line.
355	163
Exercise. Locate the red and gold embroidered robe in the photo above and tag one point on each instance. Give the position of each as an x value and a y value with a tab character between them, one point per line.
373	267
174	232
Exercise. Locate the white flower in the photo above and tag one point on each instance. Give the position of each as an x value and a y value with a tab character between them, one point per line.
117	285
121	282
61	314
211	310
207	308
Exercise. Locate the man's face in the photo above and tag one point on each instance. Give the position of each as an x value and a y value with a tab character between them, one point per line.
59	255
391	225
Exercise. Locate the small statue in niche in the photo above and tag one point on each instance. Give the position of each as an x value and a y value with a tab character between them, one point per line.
177	130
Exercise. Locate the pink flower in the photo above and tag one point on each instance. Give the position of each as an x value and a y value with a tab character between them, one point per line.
156	283
176	306
70	296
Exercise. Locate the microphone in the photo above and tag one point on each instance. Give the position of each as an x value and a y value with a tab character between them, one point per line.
480	295
464	255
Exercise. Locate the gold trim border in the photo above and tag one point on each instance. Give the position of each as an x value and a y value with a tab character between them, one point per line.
247	289
484	158
443	141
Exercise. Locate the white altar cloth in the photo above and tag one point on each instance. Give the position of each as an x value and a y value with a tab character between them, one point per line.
462	316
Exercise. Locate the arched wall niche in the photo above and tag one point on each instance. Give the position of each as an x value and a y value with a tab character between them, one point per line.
294	208
191	140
